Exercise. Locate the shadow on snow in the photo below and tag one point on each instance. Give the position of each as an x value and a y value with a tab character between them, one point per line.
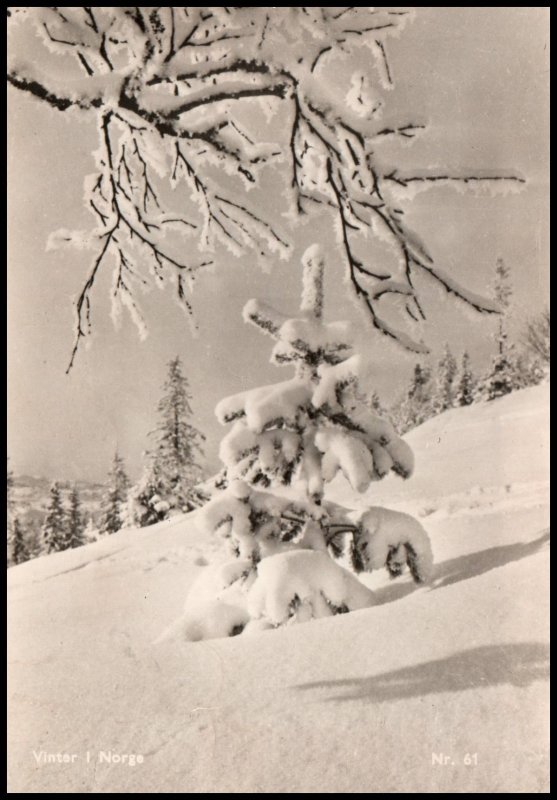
517	664
473	564
466	566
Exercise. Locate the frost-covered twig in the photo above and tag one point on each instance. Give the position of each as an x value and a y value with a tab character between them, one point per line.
174	83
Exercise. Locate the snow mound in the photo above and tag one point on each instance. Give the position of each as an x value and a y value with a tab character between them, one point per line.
301	585
214	620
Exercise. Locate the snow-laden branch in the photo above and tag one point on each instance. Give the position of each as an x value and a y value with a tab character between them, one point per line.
347	170
168	88
66	95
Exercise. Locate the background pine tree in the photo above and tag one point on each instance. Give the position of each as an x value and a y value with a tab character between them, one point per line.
115	497
19	550
445	379
420	396
503	376
538	335
535	359
91	532
178	444
55	526
145	504
416	404
501	379
75	521
465	388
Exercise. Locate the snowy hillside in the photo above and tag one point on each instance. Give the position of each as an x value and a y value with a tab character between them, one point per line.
479	450
371	701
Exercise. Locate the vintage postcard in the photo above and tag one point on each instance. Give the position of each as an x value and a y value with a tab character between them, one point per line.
278	399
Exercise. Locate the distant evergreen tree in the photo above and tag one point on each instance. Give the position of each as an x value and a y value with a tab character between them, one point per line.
531	370
33	539
19	549
420	380
75	522
416	406
534	361
444	397
55	527
115	497
503	377
91	532
145	503
178	443
527	371
537	337
465	388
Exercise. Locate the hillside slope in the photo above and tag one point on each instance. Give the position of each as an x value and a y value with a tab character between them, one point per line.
367	702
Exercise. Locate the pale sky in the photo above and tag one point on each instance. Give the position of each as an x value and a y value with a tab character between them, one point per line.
479	75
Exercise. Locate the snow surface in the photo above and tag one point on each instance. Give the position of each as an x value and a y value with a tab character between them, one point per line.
358	702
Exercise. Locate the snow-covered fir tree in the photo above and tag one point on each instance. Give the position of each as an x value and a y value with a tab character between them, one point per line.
537	337
34	541
417	404
178	444
145	503
533	363
465	385
75	522
19	550
55	526
444	396
502	377
91	532
286	442
115	497
530	370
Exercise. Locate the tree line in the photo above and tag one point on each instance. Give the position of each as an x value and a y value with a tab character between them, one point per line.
166	486
453	382
64	526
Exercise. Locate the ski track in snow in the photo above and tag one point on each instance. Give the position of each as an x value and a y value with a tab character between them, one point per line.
355	703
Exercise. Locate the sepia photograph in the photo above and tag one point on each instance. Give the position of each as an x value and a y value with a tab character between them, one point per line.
278	378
